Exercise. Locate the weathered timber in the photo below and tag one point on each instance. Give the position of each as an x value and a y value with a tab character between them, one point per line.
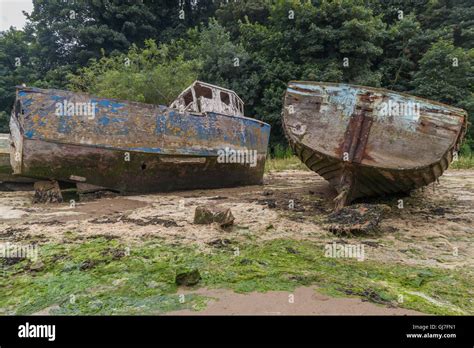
47	192
135	147
6	171
357	219
212	213
370	141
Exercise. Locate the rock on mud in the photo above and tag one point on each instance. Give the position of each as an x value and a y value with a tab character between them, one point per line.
357	219
37	266
212	213
47	192
188	277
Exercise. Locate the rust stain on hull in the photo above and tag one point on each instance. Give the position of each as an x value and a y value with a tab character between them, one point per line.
355	139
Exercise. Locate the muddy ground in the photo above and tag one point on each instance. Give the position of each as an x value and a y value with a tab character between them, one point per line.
433	228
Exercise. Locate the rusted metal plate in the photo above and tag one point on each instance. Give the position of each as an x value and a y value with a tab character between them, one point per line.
388	141
132	146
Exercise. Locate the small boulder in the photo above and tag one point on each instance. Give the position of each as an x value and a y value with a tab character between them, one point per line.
188	277
37	266
209	214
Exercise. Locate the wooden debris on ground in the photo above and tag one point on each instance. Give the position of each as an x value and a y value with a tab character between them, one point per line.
357	219
213	213
47	192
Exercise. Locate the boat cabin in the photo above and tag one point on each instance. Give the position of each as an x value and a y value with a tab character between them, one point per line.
203	97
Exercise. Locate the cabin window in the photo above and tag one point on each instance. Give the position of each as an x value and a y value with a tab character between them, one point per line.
188	98
225	98
202	91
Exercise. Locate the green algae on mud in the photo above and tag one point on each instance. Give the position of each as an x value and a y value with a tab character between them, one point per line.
108	277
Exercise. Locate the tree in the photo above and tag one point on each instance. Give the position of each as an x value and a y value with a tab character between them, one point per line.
253	11
72	32
310	41
446	74
144	75
405	45
17	66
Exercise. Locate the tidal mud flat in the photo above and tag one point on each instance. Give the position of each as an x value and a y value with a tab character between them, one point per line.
121	254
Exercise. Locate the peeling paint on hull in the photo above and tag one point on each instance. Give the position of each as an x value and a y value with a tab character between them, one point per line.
349	135
131	147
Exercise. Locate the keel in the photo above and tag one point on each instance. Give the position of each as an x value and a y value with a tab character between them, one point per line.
345	190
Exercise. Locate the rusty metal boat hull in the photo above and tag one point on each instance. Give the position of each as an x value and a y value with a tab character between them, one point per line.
132	147
369	141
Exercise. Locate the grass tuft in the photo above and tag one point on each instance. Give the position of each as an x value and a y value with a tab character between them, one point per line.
464	162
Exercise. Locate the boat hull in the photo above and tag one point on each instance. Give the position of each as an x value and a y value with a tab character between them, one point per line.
339	132
147	149
143	173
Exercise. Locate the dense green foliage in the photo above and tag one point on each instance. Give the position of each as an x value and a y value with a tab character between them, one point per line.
423	47
148	75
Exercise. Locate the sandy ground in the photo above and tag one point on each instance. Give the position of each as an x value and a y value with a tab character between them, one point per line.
434	228
303	301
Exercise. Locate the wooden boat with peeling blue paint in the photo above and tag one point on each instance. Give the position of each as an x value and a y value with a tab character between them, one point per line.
370	141
201	141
